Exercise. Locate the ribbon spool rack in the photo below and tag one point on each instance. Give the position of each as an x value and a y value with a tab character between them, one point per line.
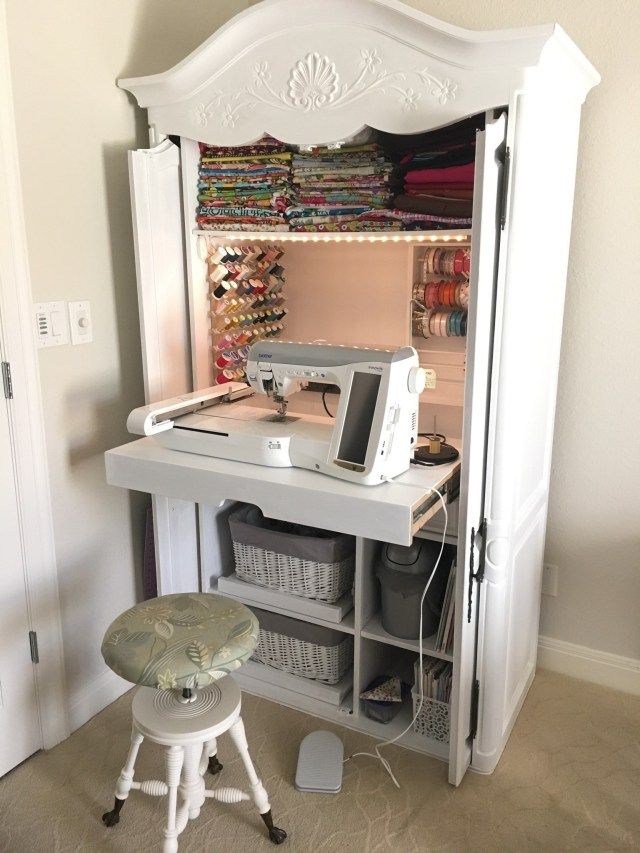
441	296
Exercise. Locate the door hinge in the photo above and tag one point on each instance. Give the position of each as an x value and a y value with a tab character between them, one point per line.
479	574
506	172
33	643
475	704
6	380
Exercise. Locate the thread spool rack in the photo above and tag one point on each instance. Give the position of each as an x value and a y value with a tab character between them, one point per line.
247	302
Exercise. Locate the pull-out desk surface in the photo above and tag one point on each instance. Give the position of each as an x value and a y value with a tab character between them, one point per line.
390	512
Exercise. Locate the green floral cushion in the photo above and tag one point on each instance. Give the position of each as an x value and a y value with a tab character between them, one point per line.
184	640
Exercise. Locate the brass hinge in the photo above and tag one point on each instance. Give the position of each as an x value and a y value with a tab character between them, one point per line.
33	643
6	380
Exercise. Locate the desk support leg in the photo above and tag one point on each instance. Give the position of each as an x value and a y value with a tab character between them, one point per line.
176	544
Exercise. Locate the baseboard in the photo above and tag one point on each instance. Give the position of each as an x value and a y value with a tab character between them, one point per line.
602	668
93	698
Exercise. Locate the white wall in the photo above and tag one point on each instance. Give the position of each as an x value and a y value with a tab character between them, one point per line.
74	128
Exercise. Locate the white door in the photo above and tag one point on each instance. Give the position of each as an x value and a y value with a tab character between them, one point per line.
20	734
488	174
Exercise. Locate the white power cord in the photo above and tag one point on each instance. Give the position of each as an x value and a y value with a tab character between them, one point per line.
377	755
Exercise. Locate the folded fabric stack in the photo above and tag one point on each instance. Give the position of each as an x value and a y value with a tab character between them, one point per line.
343	189
244	188
435	176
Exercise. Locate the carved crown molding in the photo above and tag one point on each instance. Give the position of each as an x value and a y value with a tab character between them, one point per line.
314	84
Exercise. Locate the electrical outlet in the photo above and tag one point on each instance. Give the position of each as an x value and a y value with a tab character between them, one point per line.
549	579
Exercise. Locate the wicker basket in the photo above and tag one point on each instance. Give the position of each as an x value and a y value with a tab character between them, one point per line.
323	661
319	566
433	719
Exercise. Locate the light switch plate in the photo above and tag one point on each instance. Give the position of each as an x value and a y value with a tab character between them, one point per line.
52	325
80	322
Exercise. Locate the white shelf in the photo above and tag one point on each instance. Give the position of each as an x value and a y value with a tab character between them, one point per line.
332	694
456	236
373	630
282	603
297	606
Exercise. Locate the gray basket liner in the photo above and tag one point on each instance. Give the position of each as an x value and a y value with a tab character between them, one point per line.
299	630
249	527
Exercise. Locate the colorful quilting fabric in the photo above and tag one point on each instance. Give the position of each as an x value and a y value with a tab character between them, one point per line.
333	188
266	187
243	187
435	172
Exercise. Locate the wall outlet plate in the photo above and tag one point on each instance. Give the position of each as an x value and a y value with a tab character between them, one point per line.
52	325
549	579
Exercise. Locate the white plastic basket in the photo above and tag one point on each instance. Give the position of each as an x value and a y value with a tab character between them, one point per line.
433	719
309	566
308	660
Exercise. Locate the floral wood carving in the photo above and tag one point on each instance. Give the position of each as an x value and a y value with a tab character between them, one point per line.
314	84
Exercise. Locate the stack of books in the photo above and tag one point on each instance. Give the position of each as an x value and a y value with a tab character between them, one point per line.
437	676
444	637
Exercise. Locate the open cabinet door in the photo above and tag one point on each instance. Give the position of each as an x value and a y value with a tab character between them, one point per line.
484	263
156	201
156	195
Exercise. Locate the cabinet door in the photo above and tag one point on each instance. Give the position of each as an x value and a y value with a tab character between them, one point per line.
156	195
484	261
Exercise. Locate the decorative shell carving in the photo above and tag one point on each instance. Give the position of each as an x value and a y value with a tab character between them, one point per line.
314	84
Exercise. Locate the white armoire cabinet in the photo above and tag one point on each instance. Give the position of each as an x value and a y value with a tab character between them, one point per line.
311	72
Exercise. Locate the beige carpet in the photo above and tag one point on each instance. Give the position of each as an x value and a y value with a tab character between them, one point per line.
569	780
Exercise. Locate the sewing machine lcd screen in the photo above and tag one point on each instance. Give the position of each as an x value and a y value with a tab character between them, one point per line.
361	406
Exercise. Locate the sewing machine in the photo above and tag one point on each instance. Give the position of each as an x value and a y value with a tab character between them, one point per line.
370	440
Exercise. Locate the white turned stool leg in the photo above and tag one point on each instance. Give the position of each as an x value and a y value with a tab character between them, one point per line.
209	760
258	792
192	783
174	757
188	734
125	779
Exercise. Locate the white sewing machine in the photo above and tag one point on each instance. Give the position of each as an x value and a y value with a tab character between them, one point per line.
371	439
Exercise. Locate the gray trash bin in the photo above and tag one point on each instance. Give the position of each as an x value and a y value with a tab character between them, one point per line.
403	571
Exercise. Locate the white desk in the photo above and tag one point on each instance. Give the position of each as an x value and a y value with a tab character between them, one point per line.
390	512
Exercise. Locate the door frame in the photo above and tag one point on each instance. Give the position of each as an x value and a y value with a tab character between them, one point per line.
26	424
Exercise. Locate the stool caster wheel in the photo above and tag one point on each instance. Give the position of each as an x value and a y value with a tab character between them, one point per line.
276	835
113	817
214	765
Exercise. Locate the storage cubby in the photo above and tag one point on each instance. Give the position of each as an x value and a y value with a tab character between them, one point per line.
375	651
372	624
219	575
381	659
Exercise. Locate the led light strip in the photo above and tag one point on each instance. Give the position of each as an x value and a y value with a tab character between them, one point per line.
333	237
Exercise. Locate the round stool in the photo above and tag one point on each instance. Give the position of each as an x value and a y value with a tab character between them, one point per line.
180	649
